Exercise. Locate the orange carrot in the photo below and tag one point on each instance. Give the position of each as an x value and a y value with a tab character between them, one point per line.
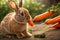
44	15
48	21
57	25
52	21
30	22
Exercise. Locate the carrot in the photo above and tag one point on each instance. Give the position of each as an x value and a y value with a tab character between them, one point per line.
52	21
48	21
30	22
42	16
57	25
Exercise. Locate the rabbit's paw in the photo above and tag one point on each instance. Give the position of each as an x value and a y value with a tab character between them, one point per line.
27	34
19	35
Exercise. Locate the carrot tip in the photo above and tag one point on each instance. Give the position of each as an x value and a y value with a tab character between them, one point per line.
30	22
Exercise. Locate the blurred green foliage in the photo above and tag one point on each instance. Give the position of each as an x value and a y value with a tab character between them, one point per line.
33	6
4	8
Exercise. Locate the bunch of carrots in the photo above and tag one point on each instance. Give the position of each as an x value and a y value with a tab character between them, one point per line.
53	21
49	21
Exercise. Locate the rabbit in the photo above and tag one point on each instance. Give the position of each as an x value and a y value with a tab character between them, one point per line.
16	22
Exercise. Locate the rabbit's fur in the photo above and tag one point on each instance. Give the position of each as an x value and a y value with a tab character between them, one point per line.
16	22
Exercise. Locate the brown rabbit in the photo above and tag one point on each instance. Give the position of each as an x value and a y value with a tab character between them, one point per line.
16	22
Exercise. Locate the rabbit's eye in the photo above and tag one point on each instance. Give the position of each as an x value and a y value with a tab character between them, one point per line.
22	14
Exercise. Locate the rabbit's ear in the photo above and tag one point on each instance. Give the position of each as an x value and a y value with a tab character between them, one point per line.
12	4
20	3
